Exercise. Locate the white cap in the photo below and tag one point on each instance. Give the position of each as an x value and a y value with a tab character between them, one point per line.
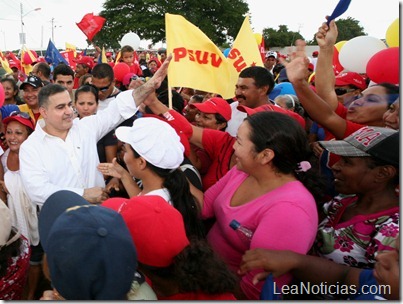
271	53
155	140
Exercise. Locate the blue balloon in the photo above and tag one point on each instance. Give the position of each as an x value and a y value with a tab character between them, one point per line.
282	89
226	52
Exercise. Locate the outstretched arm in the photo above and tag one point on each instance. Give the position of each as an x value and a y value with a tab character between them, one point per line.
114	169
304	267
317	108
142	92
324	74
176	120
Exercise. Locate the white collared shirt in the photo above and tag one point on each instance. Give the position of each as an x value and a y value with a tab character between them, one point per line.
49	164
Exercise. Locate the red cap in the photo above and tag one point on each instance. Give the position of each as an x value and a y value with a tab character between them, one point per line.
25	121
351	78
269	107
13	64
311	67
108	54
156	61
87	60
315	53
157	228
214	105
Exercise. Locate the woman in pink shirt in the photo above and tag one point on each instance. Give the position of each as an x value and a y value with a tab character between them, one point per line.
271	190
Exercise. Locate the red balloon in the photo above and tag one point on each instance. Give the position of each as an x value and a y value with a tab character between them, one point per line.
384	66
1	95
120	70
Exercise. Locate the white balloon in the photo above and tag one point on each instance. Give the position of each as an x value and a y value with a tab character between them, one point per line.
131	39
355	53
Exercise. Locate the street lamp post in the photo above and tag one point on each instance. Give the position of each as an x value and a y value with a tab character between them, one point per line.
22	34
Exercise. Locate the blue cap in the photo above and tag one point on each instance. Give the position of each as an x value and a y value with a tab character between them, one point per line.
89	249
282	89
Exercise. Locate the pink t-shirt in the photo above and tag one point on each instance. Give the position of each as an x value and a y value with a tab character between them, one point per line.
283	219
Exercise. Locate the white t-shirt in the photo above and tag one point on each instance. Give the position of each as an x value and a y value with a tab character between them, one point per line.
237	118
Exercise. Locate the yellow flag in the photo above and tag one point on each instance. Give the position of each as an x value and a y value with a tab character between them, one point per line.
71	47
244	52
197	62
5	64
26	66
117	59
103	56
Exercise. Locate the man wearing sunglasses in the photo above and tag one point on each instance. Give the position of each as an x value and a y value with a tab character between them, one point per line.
62	151
103	79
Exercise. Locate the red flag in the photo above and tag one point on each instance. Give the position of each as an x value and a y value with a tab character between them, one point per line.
91	25
69	56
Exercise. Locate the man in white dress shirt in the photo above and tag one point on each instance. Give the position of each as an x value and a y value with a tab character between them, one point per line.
61	154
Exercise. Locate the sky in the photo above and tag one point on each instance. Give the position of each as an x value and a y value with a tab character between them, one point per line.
303	16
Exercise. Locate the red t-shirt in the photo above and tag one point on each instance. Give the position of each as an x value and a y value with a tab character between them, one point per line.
351	127
135	68
76	82
218	146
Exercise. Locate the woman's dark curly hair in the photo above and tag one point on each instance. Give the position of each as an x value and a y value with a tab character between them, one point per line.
197	268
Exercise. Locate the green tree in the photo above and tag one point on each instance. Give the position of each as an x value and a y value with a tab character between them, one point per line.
281	37
220	20
348	28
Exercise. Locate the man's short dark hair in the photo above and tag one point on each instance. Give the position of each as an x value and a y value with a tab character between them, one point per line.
47	91
63	69
261	76
44	68
103	70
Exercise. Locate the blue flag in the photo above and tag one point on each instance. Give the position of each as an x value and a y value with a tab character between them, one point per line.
340	8
53	55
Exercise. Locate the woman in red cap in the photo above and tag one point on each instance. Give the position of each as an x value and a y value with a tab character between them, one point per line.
18	127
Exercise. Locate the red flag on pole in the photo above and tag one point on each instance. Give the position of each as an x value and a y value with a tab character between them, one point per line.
90	25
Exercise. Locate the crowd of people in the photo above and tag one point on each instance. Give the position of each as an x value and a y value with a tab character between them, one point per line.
112	191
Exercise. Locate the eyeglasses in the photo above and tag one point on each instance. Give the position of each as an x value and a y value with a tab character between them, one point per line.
103	89
24	115
341	91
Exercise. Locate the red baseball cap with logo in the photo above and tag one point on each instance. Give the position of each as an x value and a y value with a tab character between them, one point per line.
214	105
86	60
351	78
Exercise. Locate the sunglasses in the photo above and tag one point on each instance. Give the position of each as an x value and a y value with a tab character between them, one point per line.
24	115
103	89
341	91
